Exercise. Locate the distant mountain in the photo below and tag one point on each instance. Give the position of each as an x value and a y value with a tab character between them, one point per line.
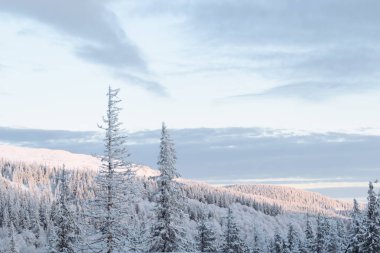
295	199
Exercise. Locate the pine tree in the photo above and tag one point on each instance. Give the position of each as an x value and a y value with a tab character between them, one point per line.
34	225
137	236
168	233
256	246
332	238
309	245
321	235
356	229
278	243
64	220
42	214
342	236
12	242
206	239
6	219
107	210
292	243
232	240
371	235
51	246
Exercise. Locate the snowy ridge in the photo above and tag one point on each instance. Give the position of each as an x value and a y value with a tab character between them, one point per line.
48	157
289	199
58	158
294	199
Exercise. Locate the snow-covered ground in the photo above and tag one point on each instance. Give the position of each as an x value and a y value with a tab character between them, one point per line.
54	158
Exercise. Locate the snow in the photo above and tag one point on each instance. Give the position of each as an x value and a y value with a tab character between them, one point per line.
54	158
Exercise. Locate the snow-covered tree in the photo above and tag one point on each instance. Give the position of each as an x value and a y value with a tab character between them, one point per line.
341	235
12	242
108	208
321	235
308	246
137	235
6	218
278	243
256	248
233	242
371	233
168	232
356	229
51	245
333	240
206	238
292	244
64	220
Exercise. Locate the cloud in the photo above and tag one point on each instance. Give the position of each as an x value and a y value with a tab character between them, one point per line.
81	142
259	155
315	44
100	38
256	154
308	90
149	85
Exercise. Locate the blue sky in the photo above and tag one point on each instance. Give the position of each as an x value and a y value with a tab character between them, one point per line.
291	64
309	68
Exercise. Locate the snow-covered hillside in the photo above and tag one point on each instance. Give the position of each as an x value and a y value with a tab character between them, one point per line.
31	175
295	199
289	199
49	157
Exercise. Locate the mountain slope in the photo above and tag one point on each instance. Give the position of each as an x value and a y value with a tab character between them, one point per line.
293	199
289	199
29	183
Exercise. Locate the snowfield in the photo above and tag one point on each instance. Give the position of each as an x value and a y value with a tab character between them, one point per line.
48	157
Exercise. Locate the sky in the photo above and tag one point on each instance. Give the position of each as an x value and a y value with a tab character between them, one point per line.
286	65
302	71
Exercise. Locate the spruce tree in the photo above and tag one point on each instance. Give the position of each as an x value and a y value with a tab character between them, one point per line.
233	243
371	233
356	229
292	244
309	245
137	236
206	239
332	238
6	218
342	235
321	235
64	220
107	210
168	233
278	243
256	243
12	243
51	246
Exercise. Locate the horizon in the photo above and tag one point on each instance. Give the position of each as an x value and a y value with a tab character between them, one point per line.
219	156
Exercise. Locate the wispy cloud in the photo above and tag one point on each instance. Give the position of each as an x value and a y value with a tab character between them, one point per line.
99	37
149	85
309	90
327	48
